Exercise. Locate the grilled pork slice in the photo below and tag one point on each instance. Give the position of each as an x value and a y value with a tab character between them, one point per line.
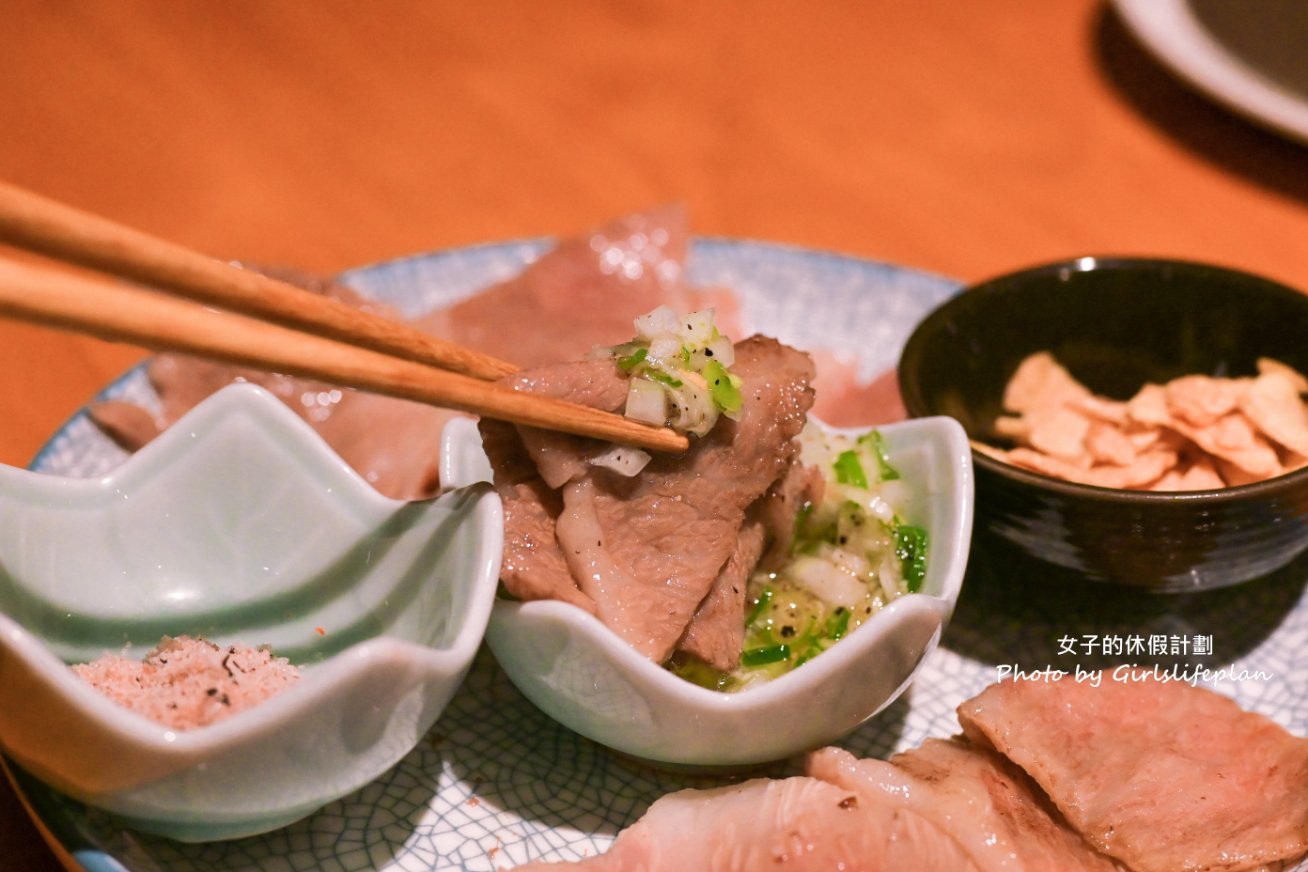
795	824
646	549
1163	775
999	818
532	565
716	633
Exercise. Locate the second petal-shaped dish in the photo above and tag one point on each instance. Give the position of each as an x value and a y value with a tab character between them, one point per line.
586	677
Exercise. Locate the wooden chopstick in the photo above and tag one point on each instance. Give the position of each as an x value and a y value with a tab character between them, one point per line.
39	224
119	312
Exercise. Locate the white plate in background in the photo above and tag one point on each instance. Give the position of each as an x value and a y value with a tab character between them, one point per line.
1229	70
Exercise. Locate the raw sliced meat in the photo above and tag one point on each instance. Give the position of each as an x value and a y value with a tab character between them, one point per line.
790	825
1163	775
584	292
845	400
989	806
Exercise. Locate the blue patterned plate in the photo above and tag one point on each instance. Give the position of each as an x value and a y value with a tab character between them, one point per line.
497	783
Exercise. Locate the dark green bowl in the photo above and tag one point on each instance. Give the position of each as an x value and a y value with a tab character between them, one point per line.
1115	323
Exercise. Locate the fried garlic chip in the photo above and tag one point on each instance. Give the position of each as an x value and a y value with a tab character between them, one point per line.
1195	432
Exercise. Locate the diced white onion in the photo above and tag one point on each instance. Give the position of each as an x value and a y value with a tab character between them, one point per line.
662	321
646	402
693	408
664	348
890	576
826	581
622	459
723	351
871	501
697	327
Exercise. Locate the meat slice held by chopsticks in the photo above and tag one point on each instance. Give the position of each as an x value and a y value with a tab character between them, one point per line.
644	549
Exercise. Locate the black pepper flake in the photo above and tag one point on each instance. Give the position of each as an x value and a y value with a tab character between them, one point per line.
787	631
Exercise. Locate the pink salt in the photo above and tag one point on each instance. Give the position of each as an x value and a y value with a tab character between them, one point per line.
188	682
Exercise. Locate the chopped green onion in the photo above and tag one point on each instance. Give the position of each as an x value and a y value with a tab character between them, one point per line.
851	555
874	440
768	654
838	623
764	600
631	361
663	378
724	391
674	354
849	469
911	549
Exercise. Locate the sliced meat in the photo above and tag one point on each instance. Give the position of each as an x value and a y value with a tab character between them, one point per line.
991	808
790	825
559	457
585	292
529	465
647	548
532	566
127	424
845	400
802	485
716	633
582	293
1162	775
393	444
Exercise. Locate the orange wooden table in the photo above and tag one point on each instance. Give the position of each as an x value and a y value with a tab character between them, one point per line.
962	138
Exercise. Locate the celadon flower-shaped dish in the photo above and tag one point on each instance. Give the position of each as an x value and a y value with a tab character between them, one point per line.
584	676
238	524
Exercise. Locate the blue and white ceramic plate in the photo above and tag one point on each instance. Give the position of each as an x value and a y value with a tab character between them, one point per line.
497	783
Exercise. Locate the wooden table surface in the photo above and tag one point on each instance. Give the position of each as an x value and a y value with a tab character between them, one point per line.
961	138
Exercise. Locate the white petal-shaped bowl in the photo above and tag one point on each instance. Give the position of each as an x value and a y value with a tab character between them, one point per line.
588	679
241	525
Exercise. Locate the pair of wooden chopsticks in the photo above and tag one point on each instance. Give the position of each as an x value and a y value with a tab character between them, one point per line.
260	321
